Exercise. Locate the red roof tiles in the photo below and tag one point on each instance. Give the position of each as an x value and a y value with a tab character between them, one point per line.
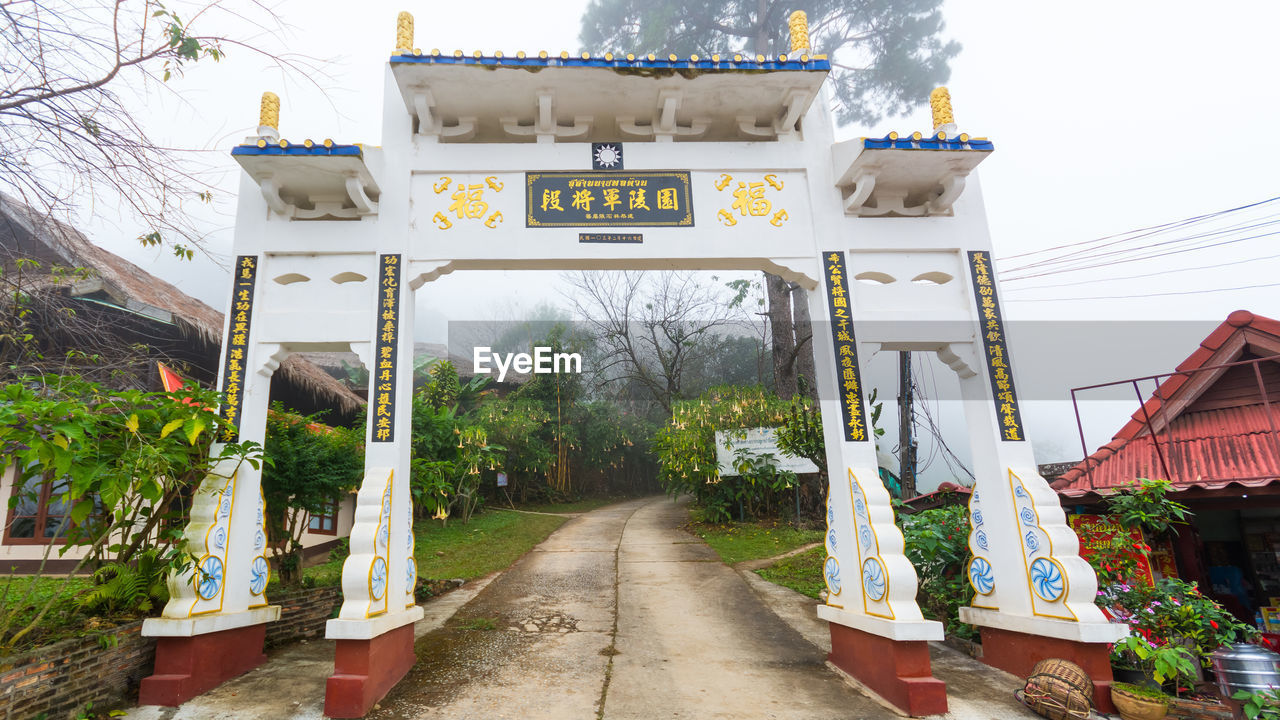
1211	425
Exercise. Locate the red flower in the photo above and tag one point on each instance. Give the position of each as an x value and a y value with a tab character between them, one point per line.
1213	624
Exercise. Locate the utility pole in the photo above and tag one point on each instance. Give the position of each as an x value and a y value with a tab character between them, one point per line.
906	434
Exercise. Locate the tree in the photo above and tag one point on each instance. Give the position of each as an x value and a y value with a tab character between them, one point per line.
651	328
886	56
69	131
311	467
119	462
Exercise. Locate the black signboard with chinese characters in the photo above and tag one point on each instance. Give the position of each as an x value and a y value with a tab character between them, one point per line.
234	367
387	336
995	347
848	378
609	199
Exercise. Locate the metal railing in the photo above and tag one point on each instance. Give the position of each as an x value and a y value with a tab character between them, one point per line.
1163	410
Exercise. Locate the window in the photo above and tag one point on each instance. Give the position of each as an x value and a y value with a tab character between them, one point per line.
40	516
326	524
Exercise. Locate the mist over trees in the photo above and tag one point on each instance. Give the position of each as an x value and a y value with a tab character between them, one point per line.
886	56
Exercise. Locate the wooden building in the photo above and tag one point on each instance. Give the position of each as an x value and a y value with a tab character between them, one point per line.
92	313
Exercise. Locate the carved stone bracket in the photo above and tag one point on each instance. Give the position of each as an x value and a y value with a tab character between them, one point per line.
958	362
272	354
431	125
664	127
545	127
785	126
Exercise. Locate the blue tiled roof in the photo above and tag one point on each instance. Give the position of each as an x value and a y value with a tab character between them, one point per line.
726	62
299	149
893	142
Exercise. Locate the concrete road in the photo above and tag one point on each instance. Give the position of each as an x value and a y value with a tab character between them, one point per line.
620	614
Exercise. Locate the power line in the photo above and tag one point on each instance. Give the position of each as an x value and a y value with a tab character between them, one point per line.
1146	275
1086	255
1147	230
1118	261
931	425
1150	295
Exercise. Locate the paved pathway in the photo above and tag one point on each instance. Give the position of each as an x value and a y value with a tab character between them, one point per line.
619	615
621	609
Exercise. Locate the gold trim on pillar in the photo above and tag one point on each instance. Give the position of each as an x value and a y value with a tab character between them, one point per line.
1043	573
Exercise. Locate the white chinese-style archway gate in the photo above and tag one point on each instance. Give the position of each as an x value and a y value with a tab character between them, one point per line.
729	163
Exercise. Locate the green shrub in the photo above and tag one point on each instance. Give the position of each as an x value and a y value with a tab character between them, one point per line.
937	544
686	452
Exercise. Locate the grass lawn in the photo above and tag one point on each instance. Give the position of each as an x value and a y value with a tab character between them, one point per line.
736	542
802	573
492	541
64	619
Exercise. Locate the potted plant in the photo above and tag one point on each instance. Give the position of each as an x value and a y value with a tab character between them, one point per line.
1139	702
1162	662
1172	612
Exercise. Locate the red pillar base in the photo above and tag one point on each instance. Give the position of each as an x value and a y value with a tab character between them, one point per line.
365	670
896	670
189	666
1018	653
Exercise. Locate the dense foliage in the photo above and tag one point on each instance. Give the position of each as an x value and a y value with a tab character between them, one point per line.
937	544
1174	628
1147	506
311	467
119	462
686	452
546	437
1174	612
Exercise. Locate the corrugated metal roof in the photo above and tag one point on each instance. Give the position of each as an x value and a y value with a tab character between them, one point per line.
1206	449
1201	449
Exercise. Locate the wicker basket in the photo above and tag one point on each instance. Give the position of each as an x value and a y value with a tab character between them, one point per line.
1058	690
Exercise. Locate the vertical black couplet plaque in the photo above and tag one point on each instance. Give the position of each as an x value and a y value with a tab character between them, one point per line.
234	365
848	378
387	331
995	347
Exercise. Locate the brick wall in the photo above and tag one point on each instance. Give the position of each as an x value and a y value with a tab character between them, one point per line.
303	614
105	669
60	679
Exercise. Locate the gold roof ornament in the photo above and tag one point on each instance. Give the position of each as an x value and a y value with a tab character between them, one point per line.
404	32
940	103
269	111
799	23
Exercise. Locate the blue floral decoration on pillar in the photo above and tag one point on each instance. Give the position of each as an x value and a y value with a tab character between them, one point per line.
1047	579
981	576
411	574
259	573
378	579
210	576
832	572
874	582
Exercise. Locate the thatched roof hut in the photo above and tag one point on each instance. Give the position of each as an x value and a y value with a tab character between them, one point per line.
82	297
